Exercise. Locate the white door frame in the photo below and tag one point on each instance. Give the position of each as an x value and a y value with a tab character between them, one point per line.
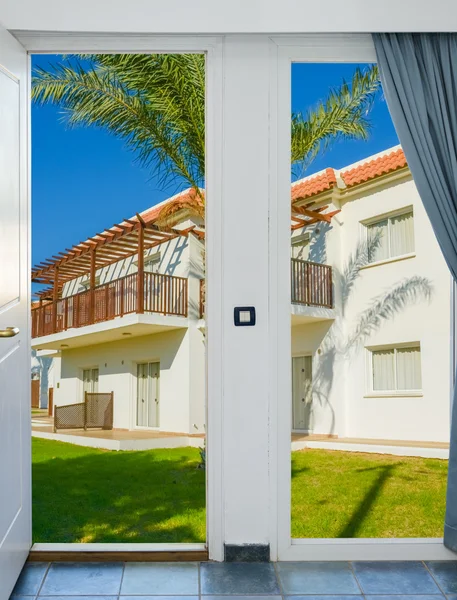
67	43
233	516
284	51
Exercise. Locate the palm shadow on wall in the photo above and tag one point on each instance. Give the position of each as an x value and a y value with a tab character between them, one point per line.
341	343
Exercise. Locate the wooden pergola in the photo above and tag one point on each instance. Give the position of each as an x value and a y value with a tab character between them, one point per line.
131	237
303	216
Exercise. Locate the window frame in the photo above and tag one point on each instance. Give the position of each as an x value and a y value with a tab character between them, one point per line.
85	283
326	49
300	240
371	392
366	223
90	368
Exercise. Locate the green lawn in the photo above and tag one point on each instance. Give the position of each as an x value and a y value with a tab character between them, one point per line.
348	494
87	495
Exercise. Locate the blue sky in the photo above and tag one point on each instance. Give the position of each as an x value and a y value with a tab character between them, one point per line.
84	180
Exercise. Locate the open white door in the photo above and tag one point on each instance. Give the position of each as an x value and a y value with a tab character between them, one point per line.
15	454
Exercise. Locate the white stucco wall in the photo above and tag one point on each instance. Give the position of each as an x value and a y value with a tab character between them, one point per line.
417	418
178	352
342	374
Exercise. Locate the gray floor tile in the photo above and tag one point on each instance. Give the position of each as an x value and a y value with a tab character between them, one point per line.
20	597
30	579
84	579
40	597
445	573
325	597
238	579
160	579
407	597
224	597
394	577
142	597
327	578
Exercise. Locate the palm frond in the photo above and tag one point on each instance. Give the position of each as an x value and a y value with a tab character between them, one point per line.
342	115
156	103
100	98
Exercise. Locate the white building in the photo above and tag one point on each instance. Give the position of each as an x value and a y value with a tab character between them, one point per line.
370	312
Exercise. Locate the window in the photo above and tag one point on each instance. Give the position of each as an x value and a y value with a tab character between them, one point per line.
390	237
151	263
396	369
300	247
85	283
90	381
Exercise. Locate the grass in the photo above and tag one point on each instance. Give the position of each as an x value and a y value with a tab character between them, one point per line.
89	495
347	495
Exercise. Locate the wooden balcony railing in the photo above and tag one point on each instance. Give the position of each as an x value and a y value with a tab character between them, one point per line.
311	283
163	294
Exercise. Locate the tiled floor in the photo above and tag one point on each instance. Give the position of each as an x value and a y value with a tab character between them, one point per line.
245	581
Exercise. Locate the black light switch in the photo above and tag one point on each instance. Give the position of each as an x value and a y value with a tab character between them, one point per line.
244	316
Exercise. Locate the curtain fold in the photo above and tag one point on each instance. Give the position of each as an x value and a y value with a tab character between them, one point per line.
419	79
378	231
383	370
409	369
401	235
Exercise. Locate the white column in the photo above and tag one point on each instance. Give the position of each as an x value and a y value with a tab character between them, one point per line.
244	282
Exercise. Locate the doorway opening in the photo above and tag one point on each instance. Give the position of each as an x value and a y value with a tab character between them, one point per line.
370	320
118	319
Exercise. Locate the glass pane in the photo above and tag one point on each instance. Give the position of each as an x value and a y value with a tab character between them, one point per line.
401	234
377	240
352	319
95	380
86	382
383	370
153	395
300	249
154	190
141	395
409	369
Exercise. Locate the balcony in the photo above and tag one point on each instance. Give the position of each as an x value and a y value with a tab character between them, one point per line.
162	294
311	283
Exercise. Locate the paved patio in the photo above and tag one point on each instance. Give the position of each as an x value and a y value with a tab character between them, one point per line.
425	449
42	427
116	439
413	580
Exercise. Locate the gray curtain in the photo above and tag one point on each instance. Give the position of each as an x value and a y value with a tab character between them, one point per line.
419	78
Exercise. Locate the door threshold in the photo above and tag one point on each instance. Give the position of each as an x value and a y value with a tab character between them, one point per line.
123	552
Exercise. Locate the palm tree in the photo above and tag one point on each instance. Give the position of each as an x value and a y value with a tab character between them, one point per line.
156	104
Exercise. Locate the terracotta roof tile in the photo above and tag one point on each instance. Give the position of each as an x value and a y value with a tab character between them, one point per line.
314	185
150	214
374	168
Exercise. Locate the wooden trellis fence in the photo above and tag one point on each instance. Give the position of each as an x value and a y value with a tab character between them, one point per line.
96	412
